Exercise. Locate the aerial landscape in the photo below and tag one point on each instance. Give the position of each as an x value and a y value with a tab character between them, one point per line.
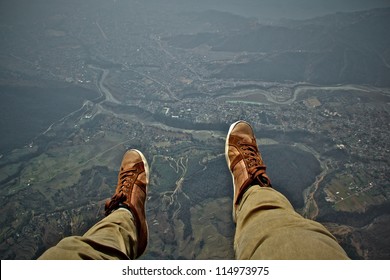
83	81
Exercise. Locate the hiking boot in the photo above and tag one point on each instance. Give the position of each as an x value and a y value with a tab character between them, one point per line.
244	161
131	193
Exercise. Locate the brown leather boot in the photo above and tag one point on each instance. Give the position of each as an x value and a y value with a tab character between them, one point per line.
131	193
244	161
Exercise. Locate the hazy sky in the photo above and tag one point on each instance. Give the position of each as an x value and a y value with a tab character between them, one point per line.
266	9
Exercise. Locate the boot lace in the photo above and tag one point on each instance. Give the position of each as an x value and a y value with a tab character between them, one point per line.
120	196
256	167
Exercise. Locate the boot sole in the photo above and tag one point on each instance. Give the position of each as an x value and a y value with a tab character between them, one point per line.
146	166
227	160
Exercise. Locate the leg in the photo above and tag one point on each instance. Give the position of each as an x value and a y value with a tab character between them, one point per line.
267	225
123	234
114	237
269	228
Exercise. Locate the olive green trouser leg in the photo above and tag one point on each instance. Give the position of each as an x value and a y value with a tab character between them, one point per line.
114	237
269	228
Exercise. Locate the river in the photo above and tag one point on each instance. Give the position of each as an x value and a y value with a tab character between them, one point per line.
27	111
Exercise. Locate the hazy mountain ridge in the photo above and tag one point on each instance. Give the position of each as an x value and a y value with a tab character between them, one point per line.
339	48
